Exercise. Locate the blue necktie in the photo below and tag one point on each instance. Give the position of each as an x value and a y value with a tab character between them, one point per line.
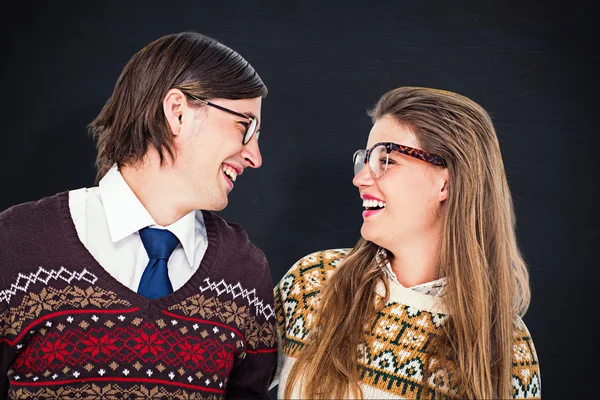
159	244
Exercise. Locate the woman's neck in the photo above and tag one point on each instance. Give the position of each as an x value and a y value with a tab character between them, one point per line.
415	261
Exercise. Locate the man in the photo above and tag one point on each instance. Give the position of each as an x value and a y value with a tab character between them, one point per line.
128	290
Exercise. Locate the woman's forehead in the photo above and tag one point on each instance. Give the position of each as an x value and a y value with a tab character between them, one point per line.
387	129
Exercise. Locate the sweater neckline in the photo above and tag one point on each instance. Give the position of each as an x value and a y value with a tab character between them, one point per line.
411	298
190	288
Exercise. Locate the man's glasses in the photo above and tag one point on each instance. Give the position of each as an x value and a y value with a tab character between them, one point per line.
378	157
250	128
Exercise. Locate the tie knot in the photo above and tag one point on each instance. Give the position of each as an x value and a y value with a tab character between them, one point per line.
159	243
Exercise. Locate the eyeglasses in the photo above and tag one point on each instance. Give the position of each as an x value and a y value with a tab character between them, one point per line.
250	129
378	157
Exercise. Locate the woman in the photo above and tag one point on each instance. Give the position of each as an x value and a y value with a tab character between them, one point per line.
428	302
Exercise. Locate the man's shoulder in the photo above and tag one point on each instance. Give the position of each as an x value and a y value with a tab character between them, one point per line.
231	233
233	236
224	225
33	212
28	230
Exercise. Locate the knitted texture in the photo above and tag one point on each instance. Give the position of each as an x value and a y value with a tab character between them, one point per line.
395	351
68	329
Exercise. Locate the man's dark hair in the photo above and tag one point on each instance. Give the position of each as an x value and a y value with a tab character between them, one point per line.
133	117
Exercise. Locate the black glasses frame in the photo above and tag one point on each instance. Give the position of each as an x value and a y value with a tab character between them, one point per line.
250	130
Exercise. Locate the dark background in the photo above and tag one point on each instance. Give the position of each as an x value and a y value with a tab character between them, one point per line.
530	64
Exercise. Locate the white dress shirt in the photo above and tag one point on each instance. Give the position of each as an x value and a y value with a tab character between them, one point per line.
107	219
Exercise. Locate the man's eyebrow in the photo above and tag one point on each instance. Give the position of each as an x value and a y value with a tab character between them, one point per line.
249	114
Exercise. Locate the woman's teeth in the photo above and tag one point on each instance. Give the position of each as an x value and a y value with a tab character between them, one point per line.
230	172
374	204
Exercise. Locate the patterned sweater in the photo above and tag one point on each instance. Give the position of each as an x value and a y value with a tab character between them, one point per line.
395	348
68	329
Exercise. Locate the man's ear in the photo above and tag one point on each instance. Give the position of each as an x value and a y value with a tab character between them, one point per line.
174	104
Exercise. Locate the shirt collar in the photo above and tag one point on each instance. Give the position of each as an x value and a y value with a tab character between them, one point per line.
433	288
185	230
126	215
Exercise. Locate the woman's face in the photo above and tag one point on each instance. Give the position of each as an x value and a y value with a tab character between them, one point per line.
411	190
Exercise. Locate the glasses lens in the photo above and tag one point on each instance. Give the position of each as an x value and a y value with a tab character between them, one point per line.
250	130
359	161
378	160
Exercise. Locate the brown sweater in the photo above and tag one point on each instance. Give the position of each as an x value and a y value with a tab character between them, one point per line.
69	329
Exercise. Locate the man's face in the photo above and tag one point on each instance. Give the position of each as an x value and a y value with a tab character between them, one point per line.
210	153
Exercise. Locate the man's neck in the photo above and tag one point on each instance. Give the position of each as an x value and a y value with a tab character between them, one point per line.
157	189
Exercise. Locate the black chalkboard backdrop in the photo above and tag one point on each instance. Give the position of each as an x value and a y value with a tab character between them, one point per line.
530	64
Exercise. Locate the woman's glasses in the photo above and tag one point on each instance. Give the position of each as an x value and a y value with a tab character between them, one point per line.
378	157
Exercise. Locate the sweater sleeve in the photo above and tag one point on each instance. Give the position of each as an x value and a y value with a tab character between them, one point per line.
251	377
526	382
7	351
281	329
307	275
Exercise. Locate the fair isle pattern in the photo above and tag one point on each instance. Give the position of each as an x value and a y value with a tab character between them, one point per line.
108	392
77	341
50	298
395	349
229	312
43	275
395	353
526	381
101	346
238	291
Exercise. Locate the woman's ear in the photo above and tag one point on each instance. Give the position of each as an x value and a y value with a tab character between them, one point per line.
443	185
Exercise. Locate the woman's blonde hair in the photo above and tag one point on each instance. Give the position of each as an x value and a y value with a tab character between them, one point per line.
487	279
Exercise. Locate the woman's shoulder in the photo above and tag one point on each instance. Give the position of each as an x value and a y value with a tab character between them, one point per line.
310	272
320	264
523	342
526	380
296	295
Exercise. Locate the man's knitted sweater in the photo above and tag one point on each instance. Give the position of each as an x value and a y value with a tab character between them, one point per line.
68	329
395	351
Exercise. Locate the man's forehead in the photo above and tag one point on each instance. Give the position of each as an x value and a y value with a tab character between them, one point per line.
252	105
249	107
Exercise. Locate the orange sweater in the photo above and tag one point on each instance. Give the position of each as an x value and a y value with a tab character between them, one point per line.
395	349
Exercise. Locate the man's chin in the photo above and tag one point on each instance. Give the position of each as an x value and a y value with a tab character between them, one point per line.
219	205
212	203
220	208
